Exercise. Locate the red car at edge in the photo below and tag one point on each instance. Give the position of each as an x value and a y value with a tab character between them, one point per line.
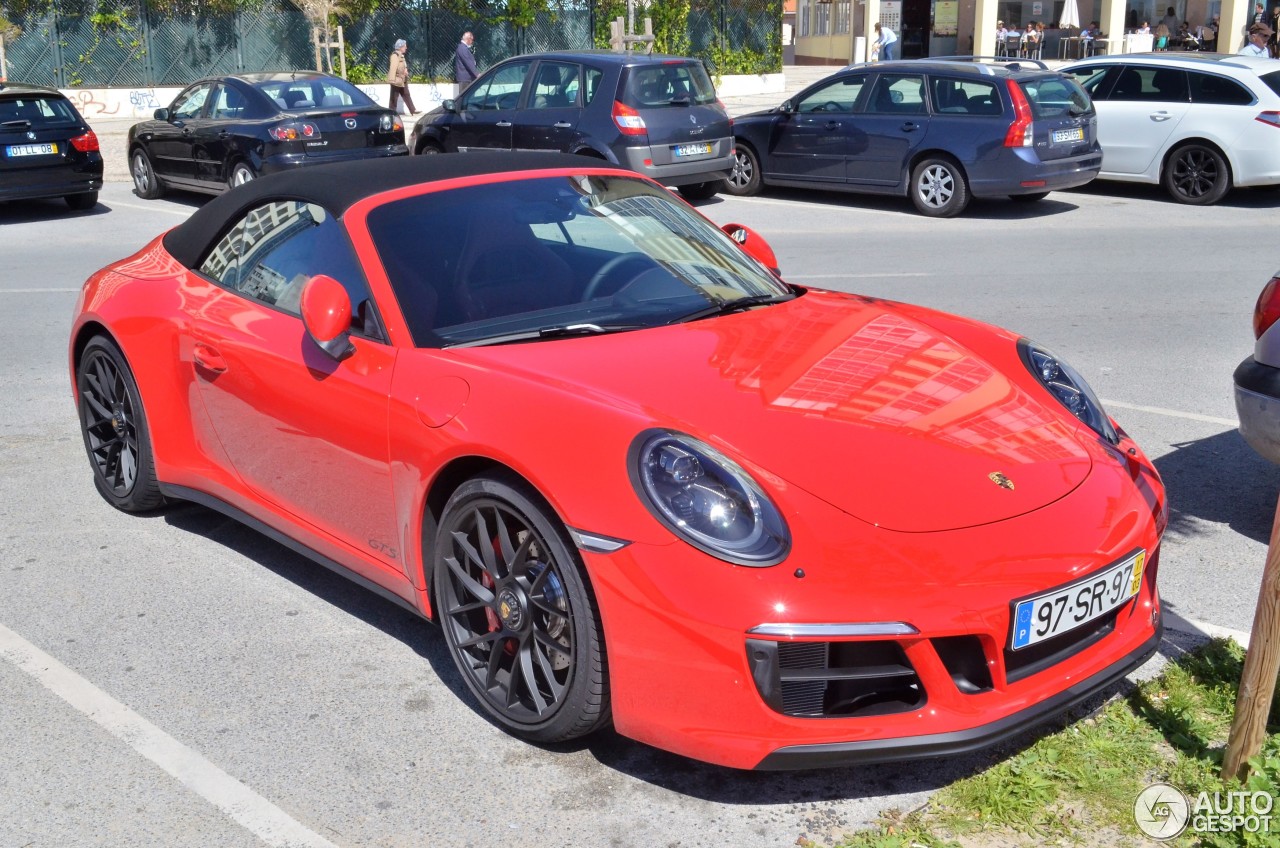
633	475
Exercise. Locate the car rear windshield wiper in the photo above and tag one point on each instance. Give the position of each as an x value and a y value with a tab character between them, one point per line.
730	306
554	332
20	122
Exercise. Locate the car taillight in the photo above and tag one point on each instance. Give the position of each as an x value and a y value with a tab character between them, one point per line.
628	120
1272	118
1267	312
85	143
1021	133
390	123
294	131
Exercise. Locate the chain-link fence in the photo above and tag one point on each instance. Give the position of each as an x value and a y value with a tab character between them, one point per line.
124	43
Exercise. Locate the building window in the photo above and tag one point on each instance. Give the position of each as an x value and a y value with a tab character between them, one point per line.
842	17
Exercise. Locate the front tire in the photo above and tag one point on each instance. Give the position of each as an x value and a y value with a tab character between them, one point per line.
145	182
744	179
241	173
1197	174
517	612
114	426
938	188
700	191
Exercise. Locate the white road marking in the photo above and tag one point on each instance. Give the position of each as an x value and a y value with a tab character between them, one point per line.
1173	621
856	276
1172	413
265	820
168	210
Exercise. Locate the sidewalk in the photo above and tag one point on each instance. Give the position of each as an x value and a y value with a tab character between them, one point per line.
113	132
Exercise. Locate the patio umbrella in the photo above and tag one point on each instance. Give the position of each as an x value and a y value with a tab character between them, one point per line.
1070	18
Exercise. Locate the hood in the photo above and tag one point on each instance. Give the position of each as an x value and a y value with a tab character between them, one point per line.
858	402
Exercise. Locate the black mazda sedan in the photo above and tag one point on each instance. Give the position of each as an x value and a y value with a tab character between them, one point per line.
46	148
224	131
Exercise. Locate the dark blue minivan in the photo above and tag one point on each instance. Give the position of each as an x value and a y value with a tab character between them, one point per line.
938	131
655	115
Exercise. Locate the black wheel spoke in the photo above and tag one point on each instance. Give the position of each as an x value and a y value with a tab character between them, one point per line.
546	641
468	582
530	681
484	557
548	673
480	639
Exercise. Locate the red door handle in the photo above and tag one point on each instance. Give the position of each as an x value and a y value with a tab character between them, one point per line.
209	359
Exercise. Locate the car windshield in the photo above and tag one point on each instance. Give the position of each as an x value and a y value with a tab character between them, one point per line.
668	84
1056	96
293	95
37	110
539	258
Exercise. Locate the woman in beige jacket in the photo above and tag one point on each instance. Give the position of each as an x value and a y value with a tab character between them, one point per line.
398	77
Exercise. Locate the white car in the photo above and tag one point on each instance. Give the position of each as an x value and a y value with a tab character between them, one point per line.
1197	123
1257	379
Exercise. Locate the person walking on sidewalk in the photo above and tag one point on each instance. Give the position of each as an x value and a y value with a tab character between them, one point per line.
464	62
398	77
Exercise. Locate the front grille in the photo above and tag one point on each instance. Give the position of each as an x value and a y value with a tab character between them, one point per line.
828	679
1042	655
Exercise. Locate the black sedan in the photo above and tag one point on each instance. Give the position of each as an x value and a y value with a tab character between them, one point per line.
939	132
225	131
46	148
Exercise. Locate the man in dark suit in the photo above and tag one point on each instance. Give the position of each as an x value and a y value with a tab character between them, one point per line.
464	62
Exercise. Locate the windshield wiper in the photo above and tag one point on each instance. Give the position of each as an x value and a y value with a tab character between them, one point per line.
554	332
731	306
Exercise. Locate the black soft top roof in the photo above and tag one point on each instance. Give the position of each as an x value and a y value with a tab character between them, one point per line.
339	186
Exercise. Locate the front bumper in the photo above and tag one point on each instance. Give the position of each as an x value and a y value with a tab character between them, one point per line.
1258	406
687	673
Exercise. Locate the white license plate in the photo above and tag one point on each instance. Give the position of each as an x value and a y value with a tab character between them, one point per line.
32	149
1048	615
1073	134
692	149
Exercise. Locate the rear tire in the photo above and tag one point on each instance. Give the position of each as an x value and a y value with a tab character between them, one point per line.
82	202
938	188
1197	175
429	149
114	426
145	182
241	173
744	179
700	191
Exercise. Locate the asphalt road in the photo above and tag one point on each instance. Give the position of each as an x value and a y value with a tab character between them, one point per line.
180	680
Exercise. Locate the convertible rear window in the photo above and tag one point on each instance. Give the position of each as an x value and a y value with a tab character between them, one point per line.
667	84
520	258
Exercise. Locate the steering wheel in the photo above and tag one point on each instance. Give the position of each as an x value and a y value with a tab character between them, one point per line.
832	106
597	281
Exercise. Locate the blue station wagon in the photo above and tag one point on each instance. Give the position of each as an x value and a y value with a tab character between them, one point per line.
937	131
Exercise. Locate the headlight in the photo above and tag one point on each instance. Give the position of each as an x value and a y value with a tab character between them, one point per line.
706	499
1071	390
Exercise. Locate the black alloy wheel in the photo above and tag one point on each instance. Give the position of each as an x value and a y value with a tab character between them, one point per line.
518	616
115	430
938	188
1197	174
145	182
744	179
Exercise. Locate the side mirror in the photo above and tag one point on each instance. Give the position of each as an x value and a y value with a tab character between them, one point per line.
326	313
449	105
161	115
754	245
786	107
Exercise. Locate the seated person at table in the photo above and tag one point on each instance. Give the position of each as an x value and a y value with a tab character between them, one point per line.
1162	37
1145	29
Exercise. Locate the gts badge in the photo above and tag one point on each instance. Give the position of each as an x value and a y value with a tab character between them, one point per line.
384	549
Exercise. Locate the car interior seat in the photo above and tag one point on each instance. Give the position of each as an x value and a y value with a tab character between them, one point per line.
1170	84
1129	86
331	100
505	269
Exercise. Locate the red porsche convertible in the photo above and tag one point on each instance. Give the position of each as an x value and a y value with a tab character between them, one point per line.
633	475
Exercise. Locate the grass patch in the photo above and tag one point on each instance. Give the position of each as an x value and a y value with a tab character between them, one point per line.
1077	787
